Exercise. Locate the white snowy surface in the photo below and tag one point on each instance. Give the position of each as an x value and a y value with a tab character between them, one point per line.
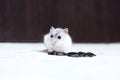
23	61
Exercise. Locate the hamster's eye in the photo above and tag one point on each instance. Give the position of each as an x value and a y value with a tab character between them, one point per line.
59	37
51	36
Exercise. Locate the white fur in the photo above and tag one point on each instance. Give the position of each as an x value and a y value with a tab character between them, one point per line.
62	45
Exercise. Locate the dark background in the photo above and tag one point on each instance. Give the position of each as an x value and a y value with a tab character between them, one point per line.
87	20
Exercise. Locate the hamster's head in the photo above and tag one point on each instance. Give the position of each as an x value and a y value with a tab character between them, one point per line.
58	35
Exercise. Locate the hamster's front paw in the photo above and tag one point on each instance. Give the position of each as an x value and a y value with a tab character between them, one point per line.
46	50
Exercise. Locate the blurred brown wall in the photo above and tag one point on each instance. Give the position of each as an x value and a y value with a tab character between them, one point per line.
87	20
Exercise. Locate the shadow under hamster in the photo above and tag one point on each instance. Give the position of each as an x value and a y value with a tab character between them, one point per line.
72	54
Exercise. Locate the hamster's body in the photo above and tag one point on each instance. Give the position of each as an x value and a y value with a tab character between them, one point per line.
58	40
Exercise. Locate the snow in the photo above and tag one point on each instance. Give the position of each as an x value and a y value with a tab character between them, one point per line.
24	61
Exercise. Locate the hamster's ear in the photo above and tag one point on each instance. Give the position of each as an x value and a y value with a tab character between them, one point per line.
66	30
52	28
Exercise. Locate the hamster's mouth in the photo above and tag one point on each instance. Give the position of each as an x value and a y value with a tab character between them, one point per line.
53	44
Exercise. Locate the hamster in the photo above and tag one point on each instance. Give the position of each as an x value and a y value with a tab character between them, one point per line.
57	40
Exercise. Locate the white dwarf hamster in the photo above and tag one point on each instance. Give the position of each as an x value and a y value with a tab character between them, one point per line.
58	40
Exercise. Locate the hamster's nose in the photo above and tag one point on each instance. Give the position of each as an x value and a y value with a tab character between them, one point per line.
54	43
